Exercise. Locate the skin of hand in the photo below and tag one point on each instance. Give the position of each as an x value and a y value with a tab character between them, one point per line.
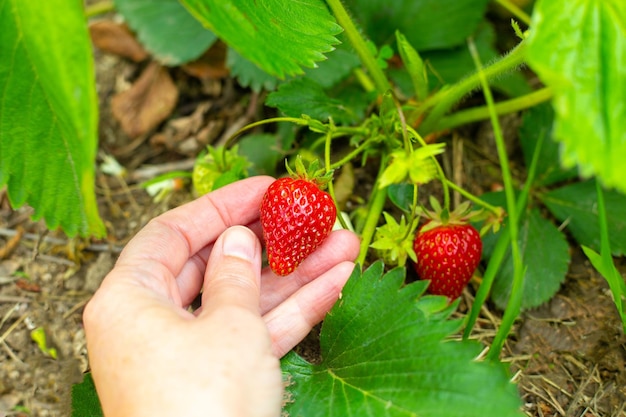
151	356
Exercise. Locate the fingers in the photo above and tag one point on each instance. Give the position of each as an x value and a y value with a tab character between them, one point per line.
233	272
174	237
340	246
292	320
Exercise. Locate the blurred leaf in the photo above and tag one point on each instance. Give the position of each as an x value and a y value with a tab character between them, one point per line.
248	74
450	65
280	37
427	24
576	205
303	96
414	65
166	29
579	49
545	253
262	151
385	353
537	124
49	114
85	402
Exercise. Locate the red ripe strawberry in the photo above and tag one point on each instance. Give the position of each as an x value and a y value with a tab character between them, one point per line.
448	253
296	216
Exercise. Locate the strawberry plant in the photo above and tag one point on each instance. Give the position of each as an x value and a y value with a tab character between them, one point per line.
376	85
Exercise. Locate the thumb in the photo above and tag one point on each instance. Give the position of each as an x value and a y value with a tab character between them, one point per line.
233	274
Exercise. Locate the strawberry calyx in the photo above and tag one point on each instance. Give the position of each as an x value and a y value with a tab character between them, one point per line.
312	173
439	216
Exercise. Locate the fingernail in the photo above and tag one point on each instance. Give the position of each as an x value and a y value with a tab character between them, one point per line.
240	242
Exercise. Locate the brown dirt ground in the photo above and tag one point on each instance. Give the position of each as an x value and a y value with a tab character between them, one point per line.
567	356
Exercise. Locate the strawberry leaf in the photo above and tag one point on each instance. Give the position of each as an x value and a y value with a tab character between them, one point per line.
248	74
280	37
48	113
537	125
576	204
385	354
577	48
545	253
304	96
85	400
166	29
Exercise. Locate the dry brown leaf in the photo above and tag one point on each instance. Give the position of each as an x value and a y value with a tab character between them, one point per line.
117	39
149	101
212	64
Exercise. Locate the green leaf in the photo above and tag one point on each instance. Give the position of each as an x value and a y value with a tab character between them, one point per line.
303	96
401	195
263	151
613	278
166	29
537	124
427	24
337	67
48	113
280	37
576	205
385	353
248	74
545	253
85	402
414	65
579	49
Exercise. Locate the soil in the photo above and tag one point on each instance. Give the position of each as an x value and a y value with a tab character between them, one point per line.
566	356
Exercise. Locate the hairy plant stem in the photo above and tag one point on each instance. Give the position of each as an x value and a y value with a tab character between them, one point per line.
377	202
515	299
504	107
357	41
442	101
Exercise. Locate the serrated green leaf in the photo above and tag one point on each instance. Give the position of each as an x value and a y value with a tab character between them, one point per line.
263	152
280	37
579	49
537	124
166	29
427	24
248	74
85	402
545	253
576	205
338	66
303	96
48	113
384	354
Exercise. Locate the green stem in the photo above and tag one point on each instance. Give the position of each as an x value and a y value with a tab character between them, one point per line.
442	101
502	245
99	8
504	107
331	187
515	10
515	299
471	197
349	157
357	41
377	202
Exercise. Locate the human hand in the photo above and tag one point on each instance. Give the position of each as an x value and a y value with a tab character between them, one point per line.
150	356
